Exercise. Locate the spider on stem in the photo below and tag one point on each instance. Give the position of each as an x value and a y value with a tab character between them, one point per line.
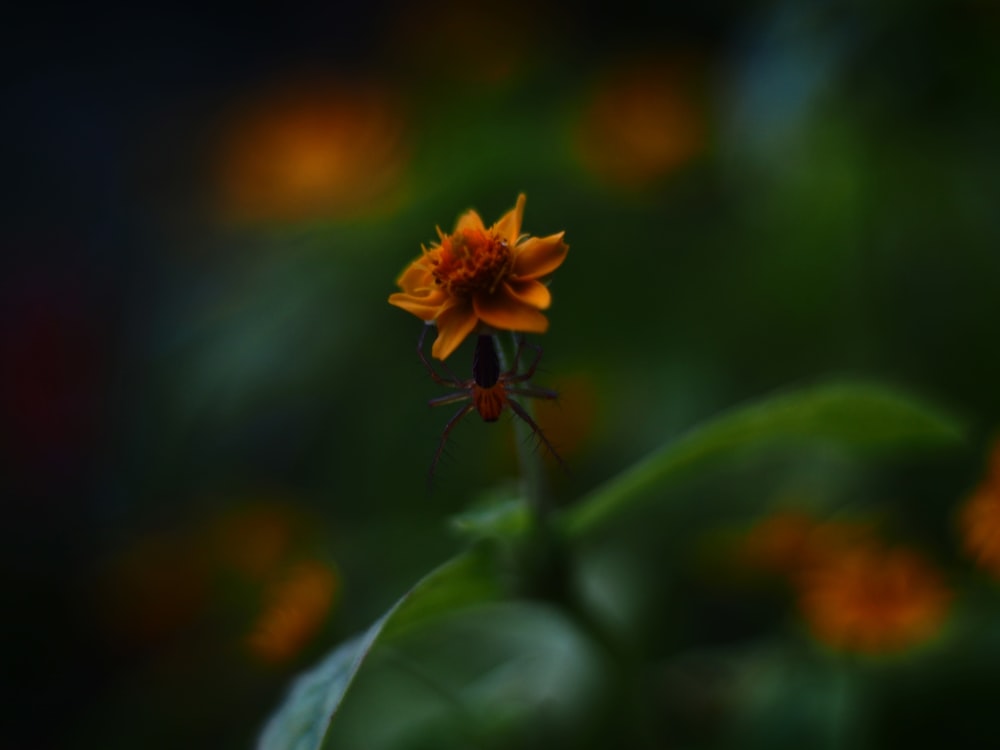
489	390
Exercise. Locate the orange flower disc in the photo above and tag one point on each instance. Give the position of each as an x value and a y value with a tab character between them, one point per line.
479	276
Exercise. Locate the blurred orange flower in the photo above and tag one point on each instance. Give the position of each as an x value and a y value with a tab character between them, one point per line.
494	39
979	521
854	593
256	539
155	588
644	120
873	600
312	151
792	541
979	518
297	606
569	429
479	276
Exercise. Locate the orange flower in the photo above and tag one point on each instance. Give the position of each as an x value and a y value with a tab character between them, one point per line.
645	120
979	517
873	600
979	521
312	150
477	276
790	542
297	607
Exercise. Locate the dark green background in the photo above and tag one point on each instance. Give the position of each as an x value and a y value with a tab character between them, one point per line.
163	369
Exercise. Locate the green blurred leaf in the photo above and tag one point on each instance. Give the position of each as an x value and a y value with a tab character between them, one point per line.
489	676
506	519
862	417
303	720
784	696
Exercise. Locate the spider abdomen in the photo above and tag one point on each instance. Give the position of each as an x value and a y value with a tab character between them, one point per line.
485	362
490	401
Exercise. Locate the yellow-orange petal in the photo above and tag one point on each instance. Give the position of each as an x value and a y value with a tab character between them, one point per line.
509	225
539	256
454	324
424	307
504	311
469	220
416	276
530	292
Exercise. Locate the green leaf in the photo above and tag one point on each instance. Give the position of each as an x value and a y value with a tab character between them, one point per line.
303	720
483	677
786	697
506	519
864	417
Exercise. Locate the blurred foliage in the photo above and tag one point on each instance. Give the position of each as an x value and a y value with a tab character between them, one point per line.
851	417
219	436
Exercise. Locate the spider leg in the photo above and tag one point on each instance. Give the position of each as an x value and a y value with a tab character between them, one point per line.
519	341
444	437
534	392
450	398
530	372
451	382
520	411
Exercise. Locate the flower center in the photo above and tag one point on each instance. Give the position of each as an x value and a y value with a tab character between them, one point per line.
470	261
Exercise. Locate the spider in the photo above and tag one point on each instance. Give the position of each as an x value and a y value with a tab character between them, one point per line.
489	390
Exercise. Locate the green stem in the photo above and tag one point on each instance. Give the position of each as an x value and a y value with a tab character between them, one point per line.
549	574
528	457
543	556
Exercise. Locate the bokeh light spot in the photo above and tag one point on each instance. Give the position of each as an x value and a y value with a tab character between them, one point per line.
643	121
476	43
979	518
295	608
255	539
874	600
155	588
310	152
569	421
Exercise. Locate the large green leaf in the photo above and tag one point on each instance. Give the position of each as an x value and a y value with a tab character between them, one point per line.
302	722
489	676
855	416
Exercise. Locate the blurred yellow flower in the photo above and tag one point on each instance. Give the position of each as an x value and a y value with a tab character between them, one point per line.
873	600
479	276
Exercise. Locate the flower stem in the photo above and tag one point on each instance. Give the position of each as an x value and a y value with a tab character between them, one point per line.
543	560
528	456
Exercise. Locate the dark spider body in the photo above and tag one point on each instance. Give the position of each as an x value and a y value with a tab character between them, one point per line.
488	393
489	390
